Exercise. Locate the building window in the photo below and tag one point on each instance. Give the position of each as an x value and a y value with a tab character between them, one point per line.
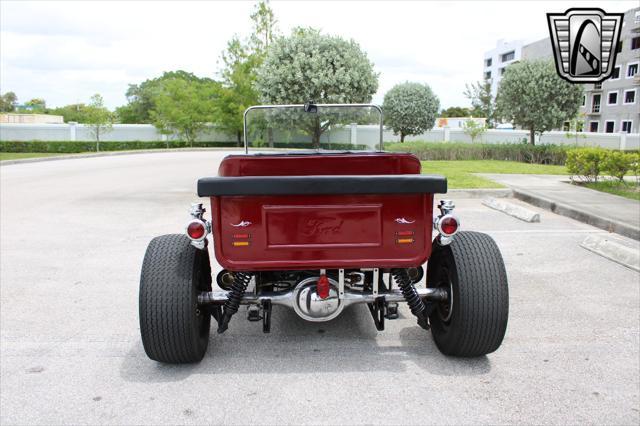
487	75
488	62
609	126
566	126
625	126
629	97
612	98
595	104
619	47
502	70
597	86
615	75
509	56
593	126
584	100
632	69
635	43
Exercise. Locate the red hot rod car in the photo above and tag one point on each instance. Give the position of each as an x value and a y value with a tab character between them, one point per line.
316	231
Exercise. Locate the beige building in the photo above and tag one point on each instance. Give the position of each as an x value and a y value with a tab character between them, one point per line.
31	118
612	106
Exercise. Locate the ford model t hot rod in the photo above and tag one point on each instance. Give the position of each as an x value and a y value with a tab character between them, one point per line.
330	222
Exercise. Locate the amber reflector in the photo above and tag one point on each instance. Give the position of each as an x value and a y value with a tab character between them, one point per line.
404	240
240	243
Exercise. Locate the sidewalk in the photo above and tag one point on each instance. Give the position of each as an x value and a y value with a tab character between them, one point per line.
599	209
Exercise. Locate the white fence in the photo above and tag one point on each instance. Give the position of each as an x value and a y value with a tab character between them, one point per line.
624	141
362	135
80	132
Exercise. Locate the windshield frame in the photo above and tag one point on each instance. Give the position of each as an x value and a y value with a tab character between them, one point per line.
254	107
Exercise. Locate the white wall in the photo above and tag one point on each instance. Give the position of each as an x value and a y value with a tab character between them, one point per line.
80	132
364	135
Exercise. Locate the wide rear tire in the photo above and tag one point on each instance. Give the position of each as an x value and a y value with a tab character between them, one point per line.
173	328
474	320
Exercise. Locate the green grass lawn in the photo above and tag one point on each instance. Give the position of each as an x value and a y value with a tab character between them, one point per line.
627	190
21	155
460	173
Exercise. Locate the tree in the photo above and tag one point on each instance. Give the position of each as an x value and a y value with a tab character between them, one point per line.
98	118
141	97
35	105
8	102
575	128
74	112
410	109
264	27
310	66
479	93
184	107
241	60
473	129
455	112
533	96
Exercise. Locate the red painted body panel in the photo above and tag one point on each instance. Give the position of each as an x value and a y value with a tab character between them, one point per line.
296	232
375	163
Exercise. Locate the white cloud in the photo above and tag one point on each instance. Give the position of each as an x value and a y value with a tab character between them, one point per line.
66	51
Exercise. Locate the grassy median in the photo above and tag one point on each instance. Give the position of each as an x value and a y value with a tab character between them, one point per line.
626	189
23	155
460	174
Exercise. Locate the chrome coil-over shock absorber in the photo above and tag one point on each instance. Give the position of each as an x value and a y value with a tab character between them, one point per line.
417	306
240	282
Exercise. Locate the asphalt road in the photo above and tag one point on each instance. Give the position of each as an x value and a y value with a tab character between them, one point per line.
73	234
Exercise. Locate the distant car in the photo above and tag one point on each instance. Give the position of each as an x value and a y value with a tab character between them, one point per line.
317	231
505	126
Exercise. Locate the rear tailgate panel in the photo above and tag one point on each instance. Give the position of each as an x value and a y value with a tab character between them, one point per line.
321	231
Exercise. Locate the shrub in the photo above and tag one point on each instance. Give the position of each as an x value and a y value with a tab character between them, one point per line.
635	166
585	163
523	152
617	164
75	147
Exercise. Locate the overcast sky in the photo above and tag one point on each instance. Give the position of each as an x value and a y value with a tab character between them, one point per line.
66	51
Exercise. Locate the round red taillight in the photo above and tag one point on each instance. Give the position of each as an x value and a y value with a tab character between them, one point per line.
196	230
448	225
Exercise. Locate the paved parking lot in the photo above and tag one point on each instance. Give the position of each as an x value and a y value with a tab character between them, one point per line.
73	233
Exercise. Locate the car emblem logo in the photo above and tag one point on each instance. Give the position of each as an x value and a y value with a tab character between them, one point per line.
242	224
584	42
404	221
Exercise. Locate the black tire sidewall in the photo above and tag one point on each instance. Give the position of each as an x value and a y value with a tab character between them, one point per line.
173	273
480	295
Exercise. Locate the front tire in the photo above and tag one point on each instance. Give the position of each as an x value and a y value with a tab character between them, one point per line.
173	328
473	321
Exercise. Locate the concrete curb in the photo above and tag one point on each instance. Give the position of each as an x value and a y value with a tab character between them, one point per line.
111	153
612	250
511	209
585	217
477	193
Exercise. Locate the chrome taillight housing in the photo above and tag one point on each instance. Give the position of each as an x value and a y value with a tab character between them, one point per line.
447	224
197	228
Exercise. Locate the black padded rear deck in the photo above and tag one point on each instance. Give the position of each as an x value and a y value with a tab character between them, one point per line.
321	185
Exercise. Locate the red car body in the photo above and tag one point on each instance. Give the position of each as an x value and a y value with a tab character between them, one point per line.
297	232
